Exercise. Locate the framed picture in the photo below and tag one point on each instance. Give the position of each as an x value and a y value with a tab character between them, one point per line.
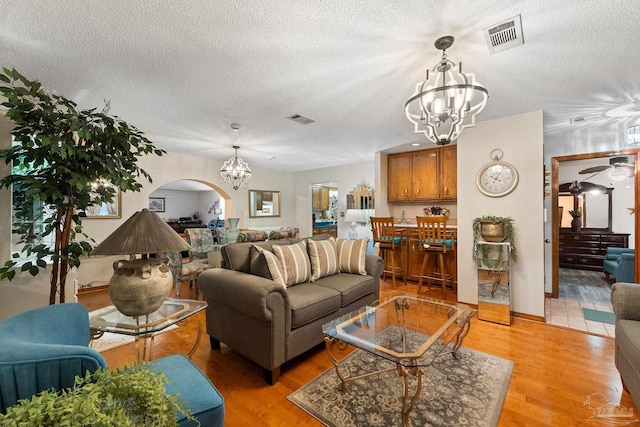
106	210
156	204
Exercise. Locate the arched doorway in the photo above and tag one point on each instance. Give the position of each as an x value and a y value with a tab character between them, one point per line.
190	203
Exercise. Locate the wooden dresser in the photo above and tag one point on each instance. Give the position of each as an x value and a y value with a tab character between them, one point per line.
586	249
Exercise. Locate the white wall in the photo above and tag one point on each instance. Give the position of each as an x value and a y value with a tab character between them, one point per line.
521	139
177	203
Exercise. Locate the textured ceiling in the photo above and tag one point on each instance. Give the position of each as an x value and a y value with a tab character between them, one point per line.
182	72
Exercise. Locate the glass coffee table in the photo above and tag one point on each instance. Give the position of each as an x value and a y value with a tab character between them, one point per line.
143	328
410	331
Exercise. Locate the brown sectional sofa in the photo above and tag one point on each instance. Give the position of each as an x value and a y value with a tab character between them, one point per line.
271	324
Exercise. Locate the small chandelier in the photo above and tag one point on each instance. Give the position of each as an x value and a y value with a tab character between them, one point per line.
235	171
447	101
575	188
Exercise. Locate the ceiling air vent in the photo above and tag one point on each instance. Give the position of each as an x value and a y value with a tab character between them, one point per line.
303	120
504	35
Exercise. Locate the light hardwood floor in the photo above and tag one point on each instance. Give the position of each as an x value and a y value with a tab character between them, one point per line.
555	370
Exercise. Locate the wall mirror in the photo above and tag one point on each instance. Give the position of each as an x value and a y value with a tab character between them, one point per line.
264	203
595	202
361	197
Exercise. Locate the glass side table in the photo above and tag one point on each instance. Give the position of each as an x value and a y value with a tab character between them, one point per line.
144	328
412	332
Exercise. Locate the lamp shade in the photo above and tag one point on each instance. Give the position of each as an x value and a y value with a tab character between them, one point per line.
144	233
359	215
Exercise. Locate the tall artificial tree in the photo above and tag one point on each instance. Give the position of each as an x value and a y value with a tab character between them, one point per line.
65	160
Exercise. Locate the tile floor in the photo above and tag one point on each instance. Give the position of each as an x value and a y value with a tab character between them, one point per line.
568	313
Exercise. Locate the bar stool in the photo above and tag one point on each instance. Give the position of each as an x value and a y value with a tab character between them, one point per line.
432	234
391	243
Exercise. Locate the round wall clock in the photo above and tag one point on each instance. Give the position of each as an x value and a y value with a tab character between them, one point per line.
497	178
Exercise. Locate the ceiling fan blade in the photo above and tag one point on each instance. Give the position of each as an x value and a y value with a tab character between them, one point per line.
594	169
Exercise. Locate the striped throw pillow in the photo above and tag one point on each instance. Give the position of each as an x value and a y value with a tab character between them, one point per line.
295	262
273	265
352	255
323	255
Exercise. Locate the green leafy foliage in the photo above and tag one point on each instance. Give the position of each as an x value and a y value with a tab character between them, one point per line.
134	396
59	156
509	232
575	213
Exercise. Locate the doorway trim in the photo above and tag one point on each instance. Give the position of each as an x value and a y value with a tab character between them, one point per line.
555	225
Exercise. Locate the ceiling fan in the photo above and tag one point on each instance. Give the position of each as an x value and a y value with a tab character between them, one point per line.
621	167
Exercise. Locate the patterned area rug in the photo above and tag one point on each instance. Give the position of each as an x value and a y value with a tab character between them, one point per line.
466	391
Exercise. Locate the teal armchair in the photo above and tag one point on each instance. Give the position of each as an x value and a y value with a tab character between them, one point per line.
46	348
620	263
42	349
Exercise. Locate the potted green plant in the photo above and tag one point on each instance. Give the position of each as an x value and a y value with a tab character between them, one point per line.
64	160
133	396
576	222
495	229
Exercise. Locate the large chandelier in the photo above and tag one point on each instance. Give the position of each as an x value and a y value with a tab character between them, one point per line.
447	101
235	171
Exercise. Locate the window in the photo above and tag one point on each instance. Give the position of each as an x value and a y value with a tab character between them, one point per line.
27	215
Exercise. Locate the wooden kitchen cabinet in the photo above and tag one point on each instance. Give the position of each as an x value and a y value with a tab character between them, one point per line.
315	198
320	198
448	173
413	255
423	176
324	198
399	181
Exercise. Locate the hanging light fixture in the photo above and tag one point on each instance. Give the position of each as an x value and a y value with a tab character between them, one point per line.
447	101
235	171
575	187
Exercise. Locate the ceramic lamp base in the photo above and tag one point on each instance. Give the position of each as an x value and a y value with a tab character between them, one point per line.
140	286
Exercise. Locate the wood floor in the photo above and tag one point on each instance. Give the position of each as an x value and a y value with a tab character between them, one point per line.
555	370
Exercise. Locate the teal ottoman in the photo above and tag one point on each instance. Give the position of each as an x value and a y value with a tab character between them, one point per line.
201	397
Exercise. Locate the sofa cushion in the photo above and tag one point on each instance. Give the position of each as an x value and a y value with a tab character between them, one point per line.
237	256
252	236
323	255
310	302
352	255
267	265
295	262
351	286
283	233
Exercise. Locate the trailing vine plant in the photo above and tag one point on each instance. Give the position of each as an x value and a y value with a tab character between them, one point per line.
509	237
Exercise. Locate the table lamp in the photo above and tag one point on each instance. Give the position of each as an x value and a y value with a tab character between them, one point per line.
140	286
357	216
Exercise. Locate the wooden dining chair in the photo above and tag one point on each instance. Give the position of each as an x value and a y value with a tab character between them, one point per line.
391	242
434	242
